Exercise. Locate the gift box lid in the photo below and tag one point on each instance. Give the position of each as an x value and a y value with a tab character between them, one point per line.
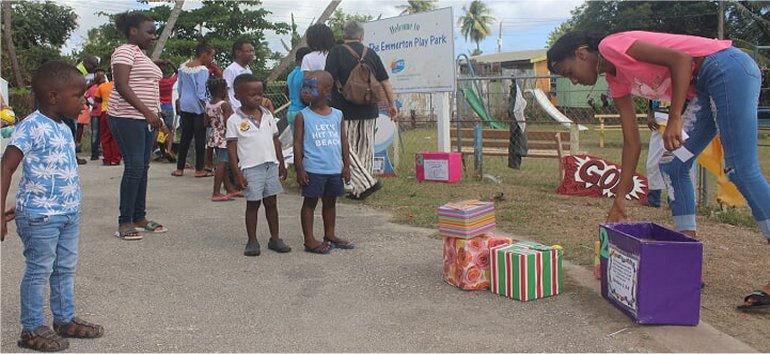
466	207
519	250
536	246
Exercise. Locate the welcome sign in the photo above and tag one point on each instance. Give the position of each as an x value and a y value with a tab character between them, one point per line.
417	50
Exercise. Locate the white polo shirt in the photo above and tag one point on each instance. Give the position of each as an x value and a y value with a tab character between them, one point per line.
255	139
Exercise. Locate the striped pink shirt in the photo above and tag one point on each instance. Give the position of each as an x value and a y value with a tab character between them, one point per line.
143	80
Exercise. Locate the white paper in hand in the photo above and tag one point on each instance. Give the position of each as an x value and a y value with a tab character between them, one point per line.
682	153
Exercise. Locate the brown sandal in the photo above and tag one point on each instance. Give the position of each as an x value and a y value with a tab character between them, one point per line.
78	328
43	339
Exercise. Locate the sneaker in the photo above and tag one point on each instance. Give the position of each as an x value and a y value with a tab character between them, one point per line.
278	246
251	250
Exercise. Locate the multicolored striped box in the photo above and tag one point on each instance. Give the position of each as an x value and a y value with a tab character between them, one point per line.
466	219
466	261
525	271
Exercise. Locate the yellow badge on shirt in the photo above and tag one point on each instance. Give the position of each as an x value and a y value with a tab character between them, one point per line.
244	126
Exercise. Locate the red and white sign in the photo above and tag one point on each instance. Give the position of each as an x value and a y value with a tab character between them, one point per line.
590	176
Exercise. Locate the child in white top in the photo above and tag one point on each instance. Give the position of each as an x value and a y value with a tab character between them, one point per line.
256	159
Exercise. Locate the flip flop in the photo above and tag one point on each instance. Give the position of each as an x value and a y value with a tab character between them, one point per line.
761	301
177	174
323	248
238	194
339	243
152	227
128	234
221	198
205	174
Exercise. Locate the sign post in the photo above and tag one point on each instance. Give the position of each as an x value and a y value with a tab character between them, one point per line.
418	52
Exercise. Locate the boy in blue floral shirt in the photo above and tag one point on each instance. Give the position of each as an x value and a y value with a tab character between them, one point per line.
47	210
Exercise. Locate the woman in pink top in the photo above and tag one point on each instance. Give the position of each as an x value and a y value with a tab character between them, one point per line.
133	117
722	85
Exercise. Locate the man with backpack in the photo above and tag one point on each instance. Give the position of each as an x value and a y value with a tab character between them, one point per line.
361	82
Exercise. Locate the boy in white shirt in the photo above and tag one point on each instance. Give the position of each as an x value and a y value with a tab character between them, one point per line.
257	160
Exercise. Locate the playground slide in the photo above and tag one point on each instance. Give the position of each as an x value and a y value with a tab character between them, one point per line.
478	107
552	111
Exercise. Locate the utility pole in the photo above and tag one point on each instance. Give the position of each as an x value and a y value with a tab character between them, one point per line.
500	38
9	43
172	17
284	63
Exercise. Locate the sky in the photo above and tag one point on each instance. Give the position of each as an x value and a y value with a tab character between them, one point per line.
525	24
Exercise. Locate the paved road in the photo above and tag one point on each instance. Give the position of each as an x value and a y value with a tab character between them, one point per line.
191	290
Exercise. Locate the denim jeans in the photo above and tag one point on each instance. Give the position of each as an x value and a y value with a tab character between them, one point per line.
95	137
51	255
727	87
135	142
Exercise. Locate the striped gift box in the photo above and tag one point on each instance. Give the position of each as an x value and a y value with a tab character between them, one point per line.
466	219
525	271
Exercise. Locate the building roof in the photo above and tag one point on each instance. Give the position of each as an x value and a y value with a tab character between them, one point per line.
522	55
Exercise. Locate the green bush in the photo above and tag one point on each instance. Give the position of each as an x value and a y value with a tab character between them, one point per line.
21	100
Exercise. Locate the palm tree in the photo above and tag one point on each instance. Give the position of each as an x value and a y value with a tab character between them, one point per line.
415	6
475	23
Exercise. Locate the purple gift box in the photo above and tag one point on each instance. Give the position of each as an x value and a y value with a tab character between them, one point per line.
651	273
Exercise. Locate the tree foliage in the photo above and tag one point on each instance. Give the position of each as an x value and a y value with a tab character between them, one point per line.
220	23
338	19
417	6
475	23
39	30
745	21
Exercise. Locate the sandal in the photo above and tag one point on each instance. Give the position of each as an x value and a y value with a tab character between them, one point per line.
339	243
236	194
129	234
221	198
278	246
77	328
152	227
43	339
177	173
323	248
761	301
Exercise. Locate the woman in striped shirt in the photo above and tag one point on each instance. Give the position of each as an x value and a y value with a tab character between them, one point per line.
133	119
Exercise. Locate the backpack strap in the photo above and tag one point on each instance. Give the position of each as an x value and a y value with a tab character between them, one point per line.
359	58
355	55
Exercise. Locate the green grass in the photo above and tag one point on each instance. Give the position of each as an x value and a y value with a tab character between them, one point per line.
529	205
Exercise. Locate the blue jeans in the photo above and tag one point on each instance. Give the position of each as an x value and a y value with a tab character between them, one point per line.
95	137
727	87
51	255
135	142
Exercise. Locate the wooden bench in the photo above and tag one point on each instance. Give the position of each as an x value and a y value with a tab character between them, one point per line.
541	144
603	127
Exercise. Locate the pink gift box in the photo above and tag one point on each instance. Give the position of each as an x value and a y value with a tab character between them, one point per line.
466	261
439	166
